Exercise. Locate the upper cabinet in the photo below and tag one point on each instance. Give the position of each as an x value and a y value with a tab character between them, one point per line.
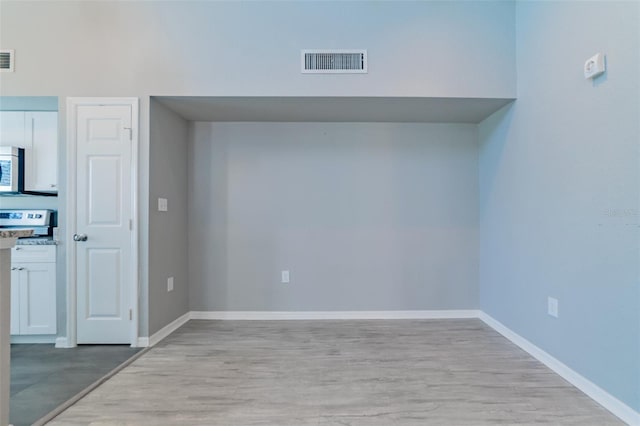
37	133
42	160
12	128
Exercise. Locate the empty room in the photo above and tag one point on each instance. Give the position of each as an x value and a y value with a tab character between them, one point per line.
319	212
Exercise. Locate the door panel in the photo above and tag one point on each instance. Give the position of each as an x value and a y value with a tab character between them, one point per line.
104	210
104	294
37	290
105	196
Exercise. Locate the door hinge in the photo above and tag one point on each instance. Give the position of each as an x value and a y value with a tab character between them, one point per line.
130	224
130	314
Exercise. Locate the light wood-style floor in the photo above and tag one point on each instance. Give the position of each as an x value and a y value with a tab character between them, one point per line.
400	372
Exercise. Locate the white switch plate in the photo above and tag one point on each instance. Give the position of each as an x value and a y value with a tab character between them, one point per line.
552	307
285	276
163	205
170	284
594	66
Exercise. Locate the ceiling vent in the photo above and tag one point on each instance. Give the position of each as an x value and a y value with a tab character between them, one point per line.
6	60
352	61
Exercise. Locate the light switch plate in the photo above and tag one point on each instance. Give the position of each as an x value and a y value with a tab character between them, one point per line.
163	205
170	284
285	276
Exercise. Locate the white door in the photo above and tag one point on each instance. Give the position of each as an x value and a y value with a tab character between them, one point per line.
103	223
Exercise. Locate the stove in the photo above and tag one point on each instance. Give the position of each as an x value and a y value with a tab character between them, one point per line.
41	221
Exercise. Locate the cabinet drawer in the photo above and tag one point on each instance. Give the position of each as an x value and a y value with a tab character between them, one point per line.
33	254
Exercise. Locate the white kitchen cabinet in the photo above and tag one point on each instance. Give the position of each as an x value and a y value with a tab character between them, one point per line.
12	128
37	133
41	158
33	290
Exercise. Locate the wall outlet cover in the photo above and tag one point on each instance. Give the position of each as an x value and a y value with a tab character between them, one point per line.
594	66
552	307
163	205
169	284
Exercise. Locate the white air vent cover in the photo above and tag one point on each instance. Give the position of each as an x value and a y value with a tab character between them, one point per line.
343	61
6	60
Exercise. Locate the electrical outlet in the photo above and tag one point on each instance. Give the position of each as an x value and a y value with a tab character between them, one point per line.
285	276
163	205
552	307
170	284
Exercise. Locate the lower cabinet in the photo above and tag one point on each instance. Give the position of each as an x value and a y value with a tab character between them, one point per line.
33	290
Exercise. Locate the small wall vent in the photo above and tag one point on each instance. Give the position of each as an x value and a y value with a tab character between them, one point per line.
343	61
6	60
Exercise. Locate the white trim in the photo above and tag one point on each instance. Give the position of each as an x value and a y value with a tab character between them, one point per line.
72	104
168	329
135	237
142	342
71	220
62	343
332	315
602	397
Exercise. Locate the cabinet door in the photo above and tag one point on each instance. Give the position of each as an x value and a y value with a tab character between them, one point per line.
12	129
15	300
37	298
42	156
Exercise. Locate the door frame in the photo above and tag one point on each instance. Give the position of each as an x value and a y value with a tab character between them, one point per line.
71	205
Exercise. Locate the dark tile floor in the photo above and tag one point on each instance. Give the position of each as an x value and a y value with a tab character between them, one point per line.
43	377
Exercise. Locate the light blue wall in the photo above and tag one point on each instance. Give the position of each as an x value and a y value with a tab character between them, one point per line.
559	192
28	103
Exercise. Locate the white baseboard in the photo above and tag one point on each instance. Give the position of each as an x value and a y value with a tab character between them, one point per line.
142	342
602	397
332	315
25	339
168	329
63	343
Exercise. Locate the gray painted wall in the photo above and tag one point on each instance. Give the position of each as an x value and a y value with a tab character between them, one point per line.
366	216
438	49
559	193
167	230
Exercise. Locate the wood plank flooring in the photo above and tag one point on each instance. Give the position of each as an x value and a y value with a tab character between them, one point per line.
400	372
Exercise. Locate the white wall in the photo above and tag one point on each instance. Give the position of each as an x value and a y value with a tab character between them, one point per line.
233	48
69	48
366	216
559	193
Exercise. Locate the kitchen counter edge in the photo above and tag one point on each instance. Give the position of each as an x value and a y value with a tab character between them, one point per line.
37	242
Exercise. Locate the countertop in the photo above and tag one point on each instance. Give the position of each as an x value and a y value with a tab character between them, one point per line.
15	233
37	241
